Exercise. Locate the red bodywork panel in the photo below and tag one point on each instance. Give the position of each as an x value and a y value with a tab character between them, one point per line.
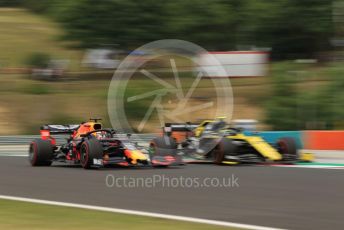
84	128
45	135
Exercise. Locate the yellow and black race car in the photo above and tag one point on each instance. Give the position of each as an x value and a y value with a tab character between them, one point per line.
214	141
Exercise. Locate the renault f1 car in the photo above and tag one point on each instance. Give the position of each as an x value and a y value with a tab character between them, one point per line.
92	146
215	141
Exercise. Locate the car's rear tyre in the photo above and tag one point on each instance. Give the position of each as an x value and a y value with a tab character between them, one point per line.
224	147
288	148
40	153
89	150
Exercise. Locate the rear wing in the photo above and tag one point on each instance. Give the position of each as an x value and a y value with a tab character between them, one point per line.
59	129
179	127
47	130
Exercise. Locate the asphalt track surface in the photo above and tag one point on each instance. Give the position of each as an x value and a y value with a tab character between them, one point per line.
292	198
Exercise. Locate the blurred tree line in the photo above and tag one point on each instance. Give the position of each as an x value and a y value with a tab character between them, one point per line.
295	105
292	28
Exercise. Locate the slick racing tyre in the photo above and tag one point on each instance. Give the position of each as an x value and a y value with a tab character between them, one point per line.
163	152
224	147
162	146
89	150
40	153
288	148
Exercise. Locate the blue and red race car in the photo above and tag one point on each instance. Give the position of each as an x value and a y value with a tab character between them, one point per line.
90	145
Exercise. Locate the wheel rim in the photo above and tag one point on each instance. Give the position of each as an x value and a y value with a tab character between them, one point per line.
83	155
283	147
31	152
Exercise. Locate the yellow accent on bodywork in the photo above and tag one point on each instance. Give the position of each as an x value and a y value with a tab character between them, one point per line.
199	130
309	157
260	145
230	162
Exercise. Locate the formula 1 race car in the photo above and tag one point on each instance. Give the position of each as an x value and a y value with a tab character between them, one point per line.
214	141
92	146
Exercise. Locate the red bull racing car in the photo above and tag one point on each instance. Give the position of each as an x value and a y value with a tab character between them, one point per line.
90	145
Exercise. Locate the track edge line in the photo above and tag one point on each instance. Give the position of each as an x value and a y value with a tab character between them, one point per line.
139	213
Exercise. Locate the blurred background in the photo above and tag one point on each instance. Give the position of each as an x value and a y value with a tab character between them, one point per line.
57	57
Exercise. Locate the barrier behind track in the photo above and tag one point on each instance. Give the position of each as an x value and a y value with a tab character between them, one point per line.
317	140
26	139
313	139
324	140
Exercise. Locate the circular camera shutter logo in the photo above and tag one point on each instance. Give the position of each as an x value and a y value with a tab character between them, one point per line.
143	96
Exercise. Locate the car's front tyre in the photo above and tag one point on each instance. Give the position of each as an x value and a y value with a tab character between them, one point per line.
287	147
89	150
162	147
224	147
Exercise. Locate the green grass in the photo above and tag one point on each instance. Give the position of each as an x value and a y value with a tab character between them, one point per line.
36	88
28	216
23	33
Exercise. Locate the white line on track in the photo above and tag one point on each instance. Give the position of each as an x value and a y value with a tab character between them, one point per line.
139	213
312	166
